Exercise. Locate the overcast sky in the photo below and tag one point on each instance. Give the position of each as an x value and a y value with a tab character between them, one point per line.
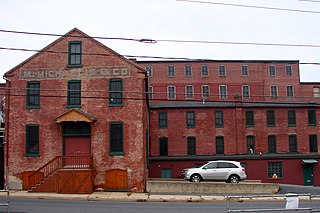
170	20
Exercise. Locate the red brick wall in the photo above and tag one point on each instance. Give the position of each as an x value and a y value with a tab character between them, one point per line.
132	113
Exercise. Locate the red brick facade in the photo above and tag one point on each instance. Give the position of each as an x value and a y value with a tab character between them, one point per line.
99	65
274	88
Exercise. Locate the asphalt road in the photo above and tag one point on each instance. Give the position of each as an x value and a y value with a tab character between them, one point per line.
74	206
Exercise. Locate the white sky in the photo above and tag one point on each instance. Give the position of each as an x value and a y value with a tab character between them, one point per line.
169	19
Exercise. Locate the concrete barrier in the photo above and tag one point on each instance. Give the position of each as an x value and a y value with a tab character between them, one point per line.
183	187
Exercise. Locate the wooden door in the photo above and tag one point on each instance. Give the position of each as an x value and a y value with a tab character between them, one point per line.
116	180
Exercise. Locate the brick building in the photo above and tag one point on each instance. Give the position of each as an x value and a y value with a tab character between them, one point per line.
76	119
256	112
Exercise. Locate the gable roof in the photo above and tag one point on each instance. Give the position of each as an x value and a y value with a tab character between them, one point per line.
75	115
82	35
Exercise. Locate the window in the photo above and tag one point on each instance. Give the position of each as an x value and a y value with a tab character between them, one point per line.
222	91
244	70
272	70
293	146
189	92
162	119
272	147
171	92
204	70
219	145
1	138
313	143
33	94
275	170
312	120
274	91
74	93
316	92
249	118
251	144
289	91
150	92
222	70
271	121
116	138
218	119
170	71
291	118
288	70
32	140
191	145
149	70
163	146
188	70
115	92
191	119
205	91
245	91
75	52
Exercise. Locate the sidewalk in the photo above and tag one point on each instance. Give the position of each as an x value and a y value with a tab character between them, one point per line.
132	197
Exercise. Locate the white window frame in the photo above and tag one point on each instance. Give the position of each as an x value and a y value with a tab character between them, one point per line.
185	70
225	70
204	65
290	70
223	96
243	95
275	70
202	92
247	70
274	96
287	91
189	95
174	92
316	92
169	75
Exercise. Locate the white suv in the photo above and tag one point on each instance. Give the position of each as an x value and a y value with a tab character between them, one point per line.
229	171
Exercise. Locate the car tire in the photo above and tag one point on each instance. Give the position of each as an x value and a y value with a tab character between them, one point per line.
195	178
234	179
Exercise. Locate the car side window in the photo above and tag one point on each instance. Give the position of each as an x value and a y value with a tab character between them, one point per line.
226	165
211	166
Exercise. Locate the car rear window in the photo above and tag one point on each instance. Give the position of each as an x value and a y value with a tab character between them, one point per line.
226	165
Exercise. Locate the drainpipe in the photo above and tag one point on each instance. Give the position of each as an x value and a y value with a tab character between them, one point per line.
6	138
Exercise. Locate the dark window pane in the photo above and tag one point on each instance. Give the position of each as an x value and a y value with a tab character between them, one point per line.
163	143
33	93
272	148
116	137
313	143
249	119
293	143
32	139
219	145
74	93
191	145
312	121
75	52
191	119
218	118
115	91
270	118
275	170
292	118
162	120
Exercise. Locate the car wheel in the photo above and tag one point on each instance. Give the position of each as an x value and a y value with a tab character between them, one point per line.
195	178
234	179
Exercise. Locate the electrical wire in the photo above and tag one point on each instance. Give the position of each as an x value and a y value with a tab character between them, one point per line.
169	40
251	6
134	56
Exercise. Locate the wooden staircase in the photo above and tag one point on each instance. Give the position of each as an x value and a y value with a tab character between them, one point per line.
64	175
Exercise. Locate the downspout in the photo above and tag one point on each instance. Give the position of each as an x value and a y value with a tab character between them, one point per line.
6	138
148	126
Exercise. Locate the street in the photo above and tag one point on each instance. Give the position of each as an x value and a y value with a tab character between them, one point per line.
65	206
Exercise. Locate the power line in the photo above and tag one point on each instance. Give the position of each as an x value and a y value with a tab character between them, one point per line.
167	40
75	36
251	6
129	56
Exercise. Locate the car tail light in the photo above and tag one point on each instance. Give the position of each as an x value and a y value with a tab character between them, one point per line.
244	170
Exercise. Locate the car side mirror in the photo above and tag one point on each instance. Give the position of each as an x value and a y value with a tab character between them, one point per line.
204	168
